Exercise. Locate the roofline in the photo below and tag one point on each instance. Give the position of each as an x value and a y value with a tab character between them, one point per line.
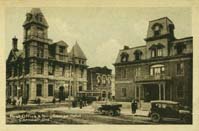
188	37
161	18
164	101
133	47
100	67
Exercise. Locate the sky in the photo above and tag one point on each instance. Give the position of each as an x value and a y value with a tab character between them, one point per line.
100	31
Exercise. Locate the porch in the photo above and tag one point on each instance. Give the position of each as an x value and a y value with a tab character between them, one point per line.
148	91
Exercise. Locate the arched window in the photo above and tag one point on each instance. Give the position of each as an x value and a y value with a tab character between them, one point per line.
157	69
157	27
156	50
138	54
124	57
99	80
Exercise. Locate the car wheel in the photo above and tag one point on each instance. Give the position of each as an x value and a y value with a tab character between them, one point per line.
155	117
187	119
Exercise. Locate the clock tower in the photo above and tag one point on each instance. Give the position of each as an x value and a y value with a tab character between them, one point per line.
35	25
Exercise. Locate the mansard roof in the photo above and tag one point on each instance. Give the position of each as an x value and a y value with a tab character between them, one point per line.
186	42
77	52
131	53
35	16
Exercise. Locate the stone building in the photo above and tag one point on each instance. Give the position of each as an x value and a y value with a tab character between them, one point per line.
100	82
44	69
161	69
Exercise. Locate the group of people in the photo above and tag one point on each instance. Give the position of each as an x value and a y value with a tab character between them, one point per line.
19	101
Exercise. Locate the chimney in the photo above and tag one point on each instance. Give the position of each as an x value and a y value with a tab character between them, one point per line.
126	47
14	43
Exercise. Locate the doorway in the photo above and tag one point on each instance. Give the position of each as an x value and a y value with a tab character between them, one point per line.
61	93
151	92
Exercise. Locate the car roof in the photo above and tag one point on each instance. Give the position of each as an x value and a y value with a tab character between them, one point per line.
165	102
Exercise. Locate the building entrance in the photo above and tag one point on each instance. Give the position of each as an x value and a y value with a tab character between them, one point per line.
151	92
61	93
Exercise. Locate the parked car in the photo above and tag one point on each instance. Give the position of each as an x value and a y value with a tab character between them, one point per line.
112	109
169	109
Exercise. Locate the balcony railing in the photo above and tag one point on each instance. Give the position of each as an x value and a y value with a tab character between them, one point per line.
152	78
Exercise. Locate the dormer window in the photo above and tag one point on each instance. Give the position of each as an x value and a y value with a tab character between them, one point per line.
157	29
179	48
138	54
124	57
156	50
61	49
29	17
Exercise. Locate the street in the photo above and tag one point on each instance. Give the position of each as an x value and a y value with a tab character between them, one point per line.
65	115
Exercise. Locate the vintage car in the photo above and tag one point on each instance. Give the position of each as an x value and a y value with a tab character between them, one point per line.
169	109
112	109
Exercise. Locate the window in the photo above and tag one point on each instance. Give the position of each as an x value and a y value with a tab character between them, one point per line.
137	91
40	50
63	70
160	52
157	69
39	67
180	91
20	69
80	88
61	49
9	90
156	50
180	68
50	90
51	69
156	32
27	51
98	80
123	73
179	48
153	53
15	70
124	92
124	57
157	29
82	73
27	69
109	80
104	80
137	71
39	90
138	54
40	33
15	90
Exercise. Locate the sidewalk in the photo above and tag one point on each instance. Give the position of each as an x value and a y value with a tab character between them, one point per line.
138	112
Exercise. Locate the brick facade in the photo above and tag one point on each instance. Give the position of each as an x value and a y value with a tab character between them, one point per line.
161	69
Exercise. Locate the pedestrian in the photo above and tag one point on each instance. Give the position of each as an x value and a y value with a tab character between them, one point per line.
133	106
20	101
80	104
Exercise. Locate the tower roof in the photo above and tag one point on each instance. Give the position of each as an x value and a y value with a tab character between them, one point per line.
77	52
35	16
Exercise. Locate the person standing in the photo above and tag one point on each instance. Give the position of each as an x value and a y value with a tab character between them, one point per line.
80	104
133	106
